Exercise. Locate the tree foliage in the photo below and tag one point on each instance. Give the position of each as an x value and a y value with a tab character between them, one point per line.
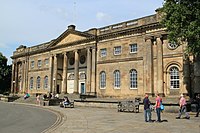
182	20
5	74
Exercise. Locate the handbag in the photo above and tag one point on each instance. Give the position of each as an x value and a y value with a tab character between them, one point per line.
162	107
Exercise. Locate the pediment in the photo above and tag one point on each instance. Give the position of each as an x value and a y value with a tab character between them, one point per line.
71	38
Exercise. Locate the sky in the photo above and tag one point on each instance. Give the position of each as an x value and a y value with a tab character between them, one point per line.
32	22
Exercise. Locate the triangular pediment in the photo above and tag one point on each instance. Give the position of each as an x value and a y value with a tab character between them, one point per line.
71	38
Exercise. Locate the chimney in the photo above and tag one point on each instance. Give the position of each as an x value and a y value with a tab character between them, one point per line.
71	27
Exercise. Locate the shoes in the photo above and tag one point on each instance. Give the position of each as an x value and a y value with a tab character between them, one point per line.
177	117
187	117
196	116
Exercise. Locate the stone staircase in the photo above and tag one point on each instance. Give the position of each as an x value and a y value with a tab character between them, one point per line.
30	100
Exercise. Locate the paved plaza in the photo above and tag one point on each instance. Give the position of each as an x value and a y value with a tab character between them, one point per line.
105	120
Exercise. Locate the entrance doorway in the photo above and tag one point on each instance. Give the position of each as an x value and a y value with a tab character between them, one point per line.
58	89
82	88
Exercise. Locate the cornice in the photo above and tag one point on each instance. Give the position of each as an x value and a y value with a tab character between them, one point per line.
130	31
89	39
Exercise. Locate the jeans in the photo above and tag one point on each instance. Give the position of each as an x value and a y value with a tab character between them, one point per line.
147	115
183	110
158	110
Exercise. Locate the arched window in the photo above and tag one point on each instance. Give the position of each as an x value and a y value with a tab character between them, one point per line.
46	82
102	79
38	82
117	79
133	78
174	78
31	83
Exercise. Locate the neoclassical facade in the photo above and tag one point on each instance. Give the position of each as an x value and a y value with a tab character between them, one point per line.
121	60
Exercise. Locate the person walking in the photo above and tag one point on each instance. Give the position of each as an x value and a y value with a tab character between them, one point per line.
198	104
157	107
38	99
147	110
182	108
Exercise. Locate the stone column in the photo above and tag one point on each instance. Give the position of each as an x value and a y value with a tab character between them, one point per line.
13	77
93	76
55	74
64	76
76	72
160	86
16	78
149	66
50	84
23	76
88	84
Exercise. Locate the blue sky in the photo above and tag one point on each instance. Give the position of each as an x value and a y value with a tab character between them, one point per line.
31	22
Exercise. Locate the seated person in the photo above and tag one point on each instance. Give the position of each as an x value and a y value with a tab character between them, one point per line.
65	102
44	96
57	96
26	96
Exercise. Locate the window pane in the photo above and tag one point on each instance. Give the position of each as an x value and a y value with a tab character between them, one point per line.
31	83
32	64
174	78
103	52
39	63
38	83
102	80
133	78
117	79
117	50
133	48
46	62
46	82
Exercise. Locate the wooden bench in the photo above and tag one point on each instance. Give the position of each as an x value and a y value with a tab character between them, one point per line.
128	106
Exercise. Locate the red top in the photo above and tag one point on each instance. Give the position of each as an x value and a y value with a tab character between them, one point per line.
182	101
158	100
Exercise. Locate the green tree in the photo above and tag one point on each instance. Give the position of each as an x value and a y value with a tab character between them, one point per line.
182	20
5	74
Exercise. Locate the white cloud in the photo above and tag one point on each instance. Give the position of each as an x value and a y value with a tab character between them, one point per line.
56	11
3	45
102	16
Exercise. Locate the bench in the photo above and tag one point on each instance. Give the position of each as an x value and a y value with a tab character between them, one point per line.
128	106
51	102
45	102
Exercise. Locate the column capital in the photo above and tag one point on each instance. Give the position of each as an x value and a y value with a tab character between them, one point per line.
158	36
55	56
148	38
65	53
77	50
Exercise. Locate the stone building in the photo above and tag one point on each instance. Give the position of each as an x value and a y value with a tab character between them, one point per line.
121	60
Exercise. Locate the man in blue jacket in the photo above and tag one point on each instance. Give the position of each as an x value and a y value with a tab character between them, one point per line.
147	110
